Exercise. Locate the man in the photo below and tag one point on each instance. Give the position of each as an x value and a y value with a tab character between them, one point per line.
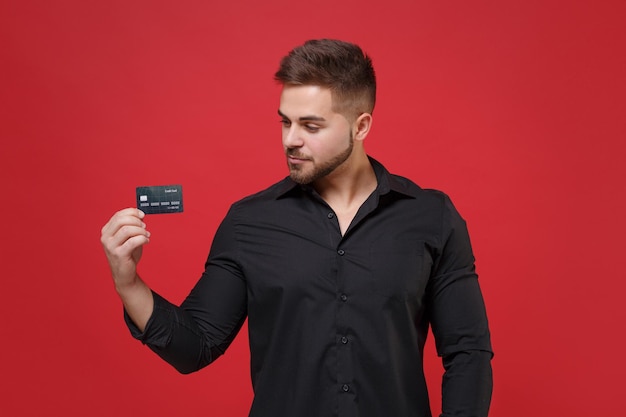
340	269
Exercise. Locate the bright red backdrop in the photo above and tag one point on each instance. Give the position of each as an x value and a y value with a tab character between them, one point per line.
514	108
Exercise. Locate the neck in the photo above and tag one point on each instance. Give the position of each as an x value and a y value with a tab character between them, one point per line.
350	184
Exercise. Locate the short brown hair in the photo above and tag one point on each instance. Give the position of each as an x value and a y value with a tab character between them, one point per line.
340	66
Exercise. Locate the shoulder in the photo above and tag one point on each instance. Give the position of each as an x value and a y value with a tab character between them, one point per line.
398	187
433	209
422	196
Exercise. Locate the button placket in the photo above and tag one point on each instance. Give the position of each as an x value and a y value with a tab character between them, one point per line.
345	373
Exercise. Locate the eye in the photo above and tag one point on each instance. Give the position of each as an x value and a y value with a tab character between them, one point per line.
312	128
285	122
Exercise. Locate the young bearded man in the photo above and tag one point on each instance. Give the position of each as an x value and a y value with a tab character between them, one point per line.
340	269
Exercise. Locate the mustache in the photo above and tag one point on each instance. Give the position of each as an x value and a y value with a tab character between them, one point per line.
296	154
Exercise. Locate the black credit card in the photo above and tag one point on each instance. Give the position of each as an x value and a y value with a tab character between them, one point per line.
160	199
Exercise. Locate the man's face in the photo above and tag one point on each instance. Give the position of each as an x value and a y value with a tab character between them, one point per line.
316	139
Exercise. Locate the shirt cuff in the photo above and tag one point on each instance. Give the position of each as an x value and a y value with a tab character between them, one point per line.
158	329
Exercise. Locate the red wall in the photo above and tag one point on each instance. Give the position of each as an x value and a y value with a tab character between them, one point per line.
514	108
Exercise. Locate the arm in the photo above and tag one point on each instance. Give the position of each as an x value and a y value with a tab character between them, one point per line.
459	323
193	335
123	238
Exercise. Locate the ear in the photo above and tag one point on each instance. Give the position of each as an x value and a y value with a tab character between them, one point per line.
361	126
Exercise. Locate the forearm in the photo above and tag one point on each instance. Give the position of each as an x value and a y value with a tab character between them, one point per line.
193	335
138	301
467	384
173	334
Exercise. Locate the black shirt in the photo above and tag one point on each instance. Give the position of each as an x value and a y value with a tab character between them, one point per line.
337	324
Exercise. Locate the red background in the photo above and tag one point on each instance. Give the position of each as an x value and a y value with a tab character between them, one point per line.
514	108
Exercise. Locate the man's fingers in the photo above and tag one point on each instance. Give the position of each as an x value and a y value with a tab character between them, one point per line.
132	243
122	236
129	216
131	211
124	232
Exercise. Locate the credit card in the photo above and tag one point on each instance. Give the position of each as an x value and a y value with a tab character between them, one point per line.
160	199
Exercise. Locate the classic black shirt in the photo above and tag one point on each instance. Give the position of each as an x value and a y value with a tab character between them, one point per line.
337	324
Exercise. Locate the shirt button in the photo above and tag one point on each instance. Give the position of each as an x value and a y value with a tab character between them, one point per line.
341	252
344	297
331	215
345	387
344	340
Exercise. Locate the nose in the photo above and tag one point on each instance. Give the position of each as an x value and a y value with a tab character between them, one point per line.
291	137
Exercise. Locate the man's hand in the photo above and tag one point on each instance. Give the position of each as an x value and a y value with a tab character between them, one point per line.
123	238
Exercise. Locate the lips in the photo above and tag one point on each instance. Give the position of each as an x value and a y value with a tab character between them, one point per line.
295	158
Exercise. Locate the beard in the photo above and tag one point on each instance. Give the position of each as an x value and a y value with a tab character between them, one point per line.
304	176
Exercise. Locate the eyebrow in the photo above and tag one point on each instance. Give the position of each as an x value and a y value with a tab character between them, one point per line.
304	118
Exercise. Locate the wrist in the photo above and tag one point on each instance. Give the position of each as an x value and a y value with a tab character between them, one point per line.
128	287
137	299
